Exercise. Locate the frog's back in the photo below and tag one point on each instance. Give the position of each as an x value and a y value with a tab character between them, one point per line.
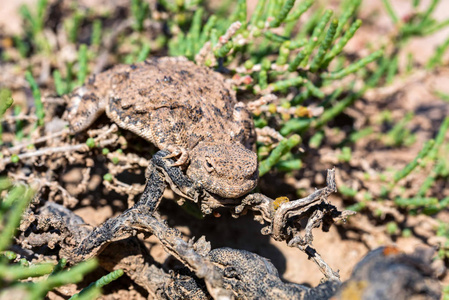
170	101
169	82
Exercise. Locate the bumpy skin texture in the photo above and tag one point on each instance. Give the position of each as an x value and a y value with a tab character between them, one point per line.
251	276
177	105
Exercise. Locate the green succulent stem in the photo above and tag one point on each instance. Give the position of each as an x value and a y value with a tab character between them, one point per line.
288	5
353	67
412	165
325	46
40	113
114	275
338	47
284	147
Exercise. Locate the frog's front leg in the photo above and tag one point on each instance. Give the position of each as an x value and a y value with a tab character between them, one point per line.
176	151
177	179
83	109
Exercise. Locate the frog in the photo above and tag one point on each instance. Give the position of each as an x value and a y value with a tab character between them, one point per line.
190	111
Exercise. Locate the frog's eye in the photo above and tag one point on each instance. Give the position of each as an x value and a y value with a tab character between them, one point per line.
208	165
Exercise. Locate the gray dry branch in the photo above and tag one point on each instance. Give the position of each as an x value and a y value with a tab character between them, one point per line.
223	273
227	273
315	209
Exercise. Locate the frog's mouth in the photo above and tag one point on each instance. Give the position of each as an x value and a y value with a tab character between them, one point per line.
224	188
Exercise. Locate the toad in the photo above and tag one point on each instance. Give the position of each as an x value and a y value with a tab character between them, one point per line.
183	109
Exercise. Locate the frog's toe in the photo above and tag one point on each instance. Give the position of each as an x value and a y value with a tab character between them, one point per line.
176	151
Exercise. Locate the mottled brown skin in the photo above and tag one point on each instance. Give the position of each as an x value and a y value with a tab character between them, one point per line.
182	108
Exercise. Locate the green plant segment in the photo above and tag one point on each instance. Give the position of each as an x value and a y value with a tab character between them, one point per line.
139	10
431	162
443	252
440	169
33	26
95	286
11	209
412	165
15	273
284	147
5	101
399	133
73	78
420	23
432	156
40	113
82	61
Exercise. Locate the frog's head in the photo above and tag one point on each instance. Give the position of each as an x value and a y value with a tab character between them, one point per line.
226	169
